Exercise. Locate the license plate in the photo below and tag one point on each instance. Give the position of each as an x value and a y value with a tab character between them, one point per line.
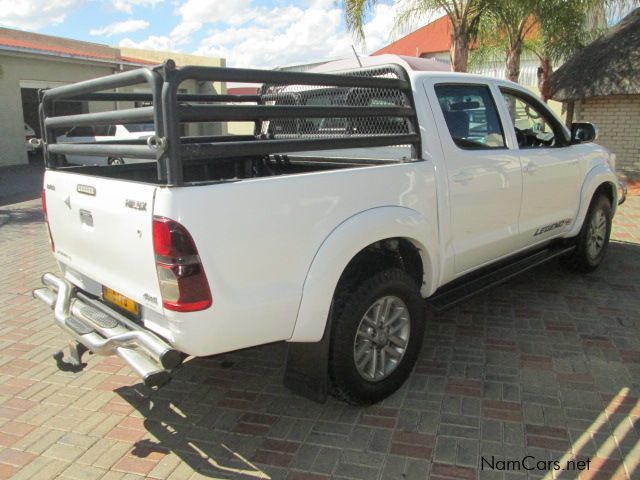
120	301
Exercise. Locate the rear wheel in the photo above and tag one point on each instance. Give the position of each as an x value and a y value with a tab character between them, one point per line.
593	240
376	337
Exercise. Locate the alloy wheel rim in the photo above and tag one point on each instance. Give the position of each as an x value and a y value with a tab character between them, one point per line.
382	338
596	234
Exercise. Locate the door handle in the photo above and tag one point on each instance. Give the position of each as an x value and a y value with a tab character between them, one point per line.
462	177
531	167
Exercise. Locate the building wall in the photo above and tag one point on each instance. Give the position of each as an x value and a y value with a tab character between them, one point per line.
181	59
14	69
617	118
55	70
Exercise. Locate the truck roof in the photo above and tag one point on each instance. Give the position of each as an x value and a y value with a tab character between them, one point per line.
414	66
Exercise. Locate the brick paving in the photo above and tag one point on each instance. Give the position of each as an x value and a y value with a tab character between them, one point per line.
547	366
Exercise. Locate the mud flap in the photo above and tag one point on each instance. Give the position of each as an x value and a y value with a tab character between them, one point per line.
307	370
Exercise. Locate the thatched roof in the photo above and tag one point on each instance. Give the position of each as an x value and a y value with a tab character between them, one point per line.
608	66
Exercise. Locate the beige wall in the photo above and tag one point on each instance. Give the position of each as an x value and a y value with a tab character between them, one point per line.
180	58
203	128
618	120
240	128
13	69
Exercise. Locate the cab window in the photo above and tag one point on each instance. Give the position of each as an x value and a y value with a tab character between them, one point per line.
534	126
471	116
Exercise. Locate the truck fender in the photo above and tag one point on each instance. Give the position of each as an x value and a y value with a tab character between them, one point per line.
598	175
341	245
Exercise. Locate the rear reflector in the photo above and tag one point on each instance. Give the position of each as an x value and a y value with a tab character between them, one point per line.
43	197
183	283
46	218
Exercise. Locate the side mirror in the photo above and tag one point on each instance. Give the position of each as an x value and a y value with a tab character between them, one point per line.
582	132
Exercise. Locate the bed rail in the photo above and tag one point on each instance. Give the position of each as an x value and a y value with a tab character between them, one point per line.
292	112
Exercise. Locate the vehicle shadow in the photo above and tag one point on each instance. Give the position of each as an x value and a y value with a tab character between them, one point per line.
20	183
547	336
21	216
229	416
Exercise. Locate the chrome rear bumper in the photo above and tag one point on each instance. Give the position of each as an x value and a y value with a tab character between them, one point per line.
106	332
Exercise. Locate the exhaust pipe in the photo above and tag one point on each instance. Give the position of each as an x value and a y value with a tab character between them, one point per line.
103	332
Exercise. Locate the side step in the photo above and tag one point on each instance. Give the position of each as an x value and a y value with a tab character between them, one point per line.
489	277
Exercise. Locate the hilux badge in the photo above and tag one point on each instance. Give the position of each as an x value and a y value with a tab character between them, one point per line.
135	204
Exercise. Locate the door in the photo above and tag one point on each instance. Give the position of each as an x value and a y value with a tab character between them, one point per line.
551	169
102	232
484	176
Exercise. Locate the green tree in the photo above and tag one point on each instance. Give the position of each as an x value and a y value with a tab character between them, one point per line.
503	31
563	29
551	29
464	16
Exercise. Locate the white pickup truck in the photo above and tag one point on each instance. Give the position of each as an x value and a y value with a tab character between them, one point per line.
358	196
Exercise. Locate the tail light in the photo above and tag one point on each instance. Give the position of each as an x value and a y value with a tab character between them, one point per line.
183	283
46	218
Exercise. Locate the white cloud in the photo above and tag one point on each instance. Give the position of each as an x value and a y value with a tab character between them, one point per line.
119	28
248	35
179	36
127	6
154	42
377	31
182	33
278	17
292	35
35	14
232	12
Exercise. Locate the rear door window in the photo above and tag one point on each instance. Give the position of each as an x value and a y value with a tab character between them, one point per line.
471	116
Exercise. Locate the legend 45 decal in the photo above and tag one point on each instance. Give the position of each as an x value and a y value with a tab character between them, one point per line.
552	226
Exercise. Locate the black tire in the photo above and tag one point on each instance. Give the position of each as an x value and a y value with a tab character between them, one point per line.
583	259
349	309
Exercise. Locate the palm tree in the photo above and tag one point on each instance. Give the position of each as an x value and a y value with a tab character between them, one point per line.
506	30
464	16
567	26
563	26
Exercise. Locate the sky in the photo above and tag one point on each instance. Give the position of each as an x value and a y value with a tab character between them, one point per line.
248	33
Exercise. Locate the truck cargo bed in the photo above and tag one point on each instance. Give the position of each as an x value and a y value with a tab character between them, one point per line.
224	170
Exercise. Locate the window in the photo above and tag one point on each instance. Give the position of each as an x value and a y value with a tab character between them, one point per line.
534	127
105	130
139	127
471	116
81	132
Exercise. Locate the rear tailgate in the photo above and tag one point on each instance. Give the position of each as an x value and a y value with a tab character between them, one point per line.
102	232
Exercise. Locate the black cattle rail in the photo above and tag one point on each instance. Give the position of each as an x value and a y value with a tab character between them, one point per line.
281	99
